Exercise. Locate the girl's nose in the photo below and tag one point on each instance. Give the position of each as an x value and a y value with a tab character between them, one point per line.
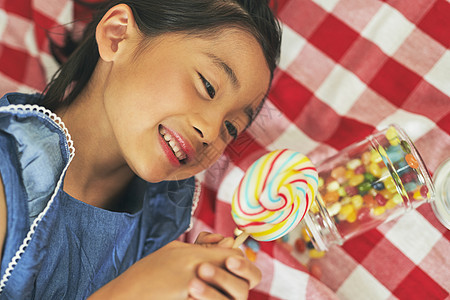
207	127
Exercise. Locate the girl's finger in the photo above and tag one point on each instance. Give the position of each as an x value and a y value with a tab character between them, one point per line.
199	290
244	268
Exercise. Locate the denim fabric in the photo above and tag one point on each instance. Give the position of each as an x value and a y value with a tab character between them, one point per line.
76	248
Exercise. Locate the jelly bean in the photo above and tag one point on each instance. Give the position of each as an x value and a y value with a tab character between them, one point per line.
357	201
408	177
345	211
360	169
395	153
342	191
389	184
365	158
369	177
417	195
331	197
306	234
284	238
397	199
251	255
390	204
381	200
410	186
314	207
315	271
386	194
412	161
364	187
379	210
334	208
405	146
375	157
353	164
356	179
333	186
363	214
351	190
345	200
300	245
313	253
378	185
351	217
392	136
254	245
309	245
424	191
338	172
374	169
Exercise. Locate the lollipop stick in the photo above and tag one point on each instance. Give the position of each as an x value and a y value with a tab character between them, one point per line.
240	239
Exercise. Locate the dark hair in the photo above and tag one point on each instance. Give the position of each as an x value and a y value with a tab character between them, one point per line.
156	17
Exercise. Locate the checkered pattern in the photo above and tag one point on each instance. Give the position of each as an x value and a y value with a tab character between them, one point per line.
348	67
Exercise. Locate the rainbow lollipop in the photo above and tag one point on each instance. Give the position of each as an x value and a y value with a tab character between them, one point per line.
274	195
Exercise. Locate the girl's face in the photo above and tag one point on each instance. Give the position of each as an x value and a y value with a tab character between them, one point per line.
174	105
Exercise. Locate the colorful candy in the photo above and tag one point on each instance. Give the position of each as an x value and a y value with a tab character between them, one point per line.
274	194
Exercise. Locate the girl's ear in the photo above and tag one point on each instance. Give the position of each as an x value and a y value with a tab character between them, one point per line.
116	26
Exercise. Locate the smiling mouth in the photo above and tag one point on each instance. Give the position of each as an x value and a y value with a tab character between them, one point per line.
173	144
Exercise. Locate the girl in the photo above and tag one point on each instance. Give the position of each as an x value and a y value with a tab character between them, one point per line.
152	96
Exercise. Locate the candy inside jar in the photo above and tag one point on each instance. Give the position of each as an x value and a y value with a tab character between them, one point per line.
366	184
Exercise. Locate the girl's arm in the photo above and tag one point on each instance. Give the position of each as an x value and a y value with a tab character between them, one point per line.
2	216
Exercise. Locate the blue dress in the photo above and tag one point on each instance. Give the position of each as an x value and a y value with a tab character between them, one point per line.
58	247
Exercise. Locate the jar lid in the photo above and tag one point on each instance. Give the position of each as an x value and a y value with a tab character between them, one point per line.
441	203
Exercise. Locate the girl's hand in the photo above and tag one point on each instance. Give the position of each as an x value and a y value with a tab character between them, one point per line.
180	270
246	274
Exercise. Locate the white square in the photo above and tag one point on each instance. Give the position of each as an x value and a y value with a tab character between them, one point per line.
341	89
3	22
388	29
293	138
291	45
328	5
413	235
288	283
362	285
414	125
66	15
229	184
439	75
30	42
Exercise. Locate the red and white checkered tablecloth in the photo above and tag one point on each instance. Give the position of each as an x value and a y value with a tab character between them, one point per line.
347	67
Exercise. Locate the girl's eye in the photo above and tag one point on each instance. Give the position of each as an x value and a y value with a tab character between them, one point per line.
208	87
231	129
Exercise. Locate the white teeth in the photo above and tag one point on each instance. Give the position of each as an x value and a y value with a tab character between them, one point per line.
173	144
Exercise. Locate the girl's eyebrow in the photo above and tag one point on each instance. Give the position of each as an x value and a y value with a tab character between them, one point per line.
226	68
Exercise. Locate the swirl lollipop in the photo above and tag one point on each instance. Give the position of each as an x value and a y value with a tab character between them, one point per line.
274	195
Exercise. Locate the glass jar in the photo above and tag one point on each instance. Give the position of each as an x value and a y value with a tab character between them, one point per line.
366	184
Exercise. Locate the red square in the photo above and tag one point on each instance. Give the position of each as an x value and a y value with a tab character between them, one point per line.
395	82
289	96
244	150
444	123
318	120
334	37
348	132
379	263
418	285
46	28
428	101
19	7
360	247
303	16
13	62
364	59
437	22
